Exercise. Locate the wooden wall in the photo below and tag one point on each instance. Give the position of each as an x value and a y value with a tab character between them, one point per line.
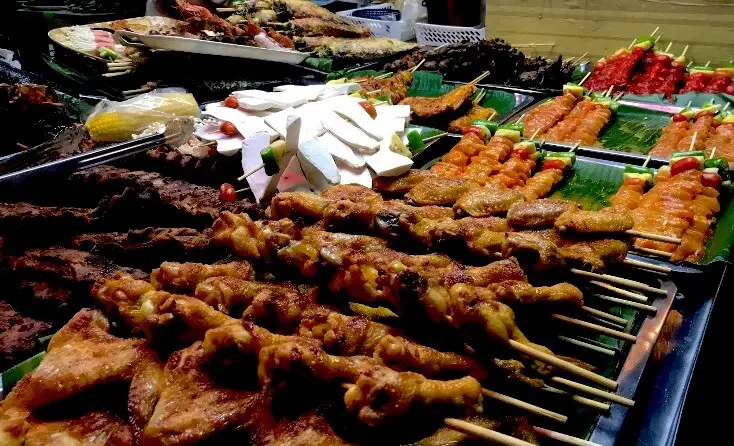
600	27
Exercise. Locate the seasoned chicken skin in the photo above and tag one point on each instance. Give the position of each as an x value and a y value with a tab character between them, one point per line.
487	201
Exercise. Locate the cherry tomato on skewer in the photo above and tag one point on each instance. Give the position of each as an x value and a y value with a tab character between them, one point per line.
228	129
231	102
227	193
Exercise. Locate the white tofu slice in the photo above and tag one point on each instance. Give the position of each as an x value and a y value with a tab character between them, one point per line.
230	146
262	185
311	126
396	125
253	125
292	134
256	104
332	90
355	113
318	165
393	111
292	179
222	113
278	121
342	153
359	175
386	163
312	92
348	133
279	99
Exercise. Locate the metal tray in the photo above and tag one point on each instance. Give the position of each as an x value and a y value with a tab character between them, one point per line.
197	46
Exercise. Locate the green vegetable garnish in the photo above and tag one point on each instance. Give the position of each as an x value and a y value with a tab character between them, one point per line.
415	141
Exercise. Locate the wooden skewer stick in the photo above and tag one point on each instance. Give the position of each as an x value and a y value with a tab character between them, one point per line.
116	69
667	48
412	70
573	149
581	57
226	10
713	152
483	433
635	285
608	92
585	77
570	59
655	252
655	237
117	73
656	30
685	50
561	364
708	62
658	38
647	160
604	315
491	116
535	134
627	303
137	90
619	95
580	399
253	170
431	138
632	43
120	64
693	141
520	118
622	292
689	64
646	265
594	391
523	405
586	345
564	438
479	78
596	328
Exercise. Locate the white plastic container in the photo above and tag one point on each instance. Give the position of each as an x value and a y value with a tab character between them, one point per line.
437	35
399	30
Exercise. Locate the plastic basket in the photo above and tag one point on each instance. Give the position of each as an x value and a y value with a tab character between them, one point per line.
437	35
400	30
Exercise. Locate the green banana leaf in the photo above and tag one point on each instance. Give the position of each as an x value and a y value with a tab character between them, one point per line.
592	183
14	374
634	129
682	100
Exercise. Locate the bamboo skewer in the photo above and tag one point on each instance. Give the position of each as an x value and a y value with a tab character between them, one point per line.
586	345
483	433
685	50
667	48
655	252
647	160
585	77
622	292
629	303
594	391
479	78
431	138
580	399
252	171
523	405
646	265
226	10
535	134
116	73
656	30
604	315
418	65
520	118
581	57
595	328
654	237
558	436
693	141
621	281
561	364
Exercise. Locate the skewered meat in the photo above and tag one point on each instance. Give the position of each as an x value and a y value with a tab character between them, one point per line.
538	213
486	201
87	429
179	277
401	184
25	219
149	246
476	112
18	335
434	108
181	203
541	118
439	191
316	27
395	86
585	222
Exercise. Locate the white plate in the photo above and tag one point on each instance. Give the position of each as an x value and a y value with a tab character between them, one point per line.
187	45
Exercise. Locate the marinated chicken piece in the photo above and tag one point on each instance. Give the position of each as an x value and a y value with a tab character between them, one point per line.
439	191
298	204
614	221
426	108
18	336
352	192
535	249
314	26
515	427
92	428
515	291
84	355
343	335
367	48
476	112
514	370
194	407
596	254
180	277
309	428
538	213
300	9
487	201
395	86
496	272
400	184
26	218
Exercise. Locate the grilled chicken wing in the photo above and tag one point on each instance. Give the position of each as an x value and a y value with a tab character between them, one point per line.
426	108
588	222
439	191
400	184
179	277
476	112
538	213
486	201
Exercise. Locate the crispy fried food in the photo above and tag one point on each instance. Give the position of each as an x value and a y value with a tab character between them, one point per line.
524	293
538	213
179	277
315	27
194	407
476	112
487	201
594	254
400	184
368	48
439	191
585	222
451	102
395	86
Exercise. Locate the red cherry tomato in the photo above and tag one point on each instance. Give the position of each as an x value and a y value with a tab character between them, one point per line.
553	164
599	65
679	118
711	179
228	129
231	102
369	108
730	89
523	154
474	130
684	164
227	193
